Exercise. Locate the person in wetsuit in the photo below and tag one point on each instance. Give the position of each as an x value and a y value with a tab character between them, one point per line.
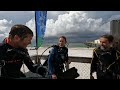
106	60
13	53
57	58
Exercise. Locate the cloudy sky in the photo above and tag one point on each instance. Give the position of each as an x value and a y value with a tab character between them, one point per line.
77	26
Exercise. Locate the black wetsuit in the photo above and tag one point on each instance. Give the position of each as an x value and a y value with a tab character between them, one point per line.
12	59
57	57
106	63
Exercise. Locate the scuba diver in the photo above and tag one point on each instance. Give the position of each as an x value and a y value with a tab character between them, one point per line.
57	58
13	53
106	60
57	61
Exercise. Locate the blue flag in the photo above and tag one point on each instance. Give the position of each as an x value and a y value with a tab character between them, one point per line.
40	22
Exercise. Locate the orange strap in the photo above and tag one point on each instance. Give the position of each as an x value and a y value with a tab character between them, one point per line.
7	40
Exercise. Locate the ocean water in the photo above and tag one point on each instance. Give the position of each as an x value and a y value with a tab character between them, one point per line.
77	45
74	45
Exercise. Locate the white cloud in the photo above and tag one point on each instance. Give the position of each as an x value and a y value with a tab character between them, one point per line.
78	22
114	17
31	25
105	28
61	22
73	21
5	26
5	22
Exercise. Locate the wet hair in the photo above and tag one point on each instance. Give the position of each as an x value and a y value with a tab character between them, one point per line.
63	38
109	37
21	30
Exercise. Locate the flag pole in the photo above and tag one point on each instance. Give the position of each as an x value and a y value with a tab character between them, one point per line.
37	57
36	61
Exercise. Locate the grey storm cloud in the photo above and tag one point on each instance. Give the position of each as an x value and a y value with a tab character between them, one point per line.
104	14
77	26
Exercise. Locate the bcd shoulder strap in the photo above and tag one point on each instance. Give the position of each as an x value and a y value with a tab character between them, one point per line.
114	52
